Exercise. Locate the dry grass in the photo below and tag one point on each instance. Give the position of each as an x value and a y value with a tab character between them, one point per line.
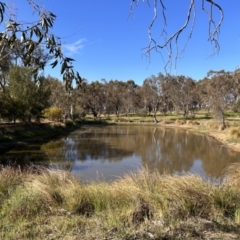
212	124
180	122
192	122
234	132
52	204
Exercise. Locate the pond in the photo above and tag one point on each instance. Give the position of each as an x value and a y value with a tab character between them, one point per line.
108	152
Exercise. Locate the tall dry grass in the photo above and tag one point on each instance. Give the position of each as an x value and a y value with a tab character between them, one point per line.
137	199
234	132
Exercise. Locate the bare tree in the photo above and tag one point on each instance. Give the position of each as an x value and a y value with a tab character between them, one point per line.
169	41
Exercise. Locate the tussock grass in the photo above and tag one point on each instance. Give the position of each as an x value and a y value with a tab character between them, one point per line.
10	178
192	122
167	122
212	124
180	122
234	132
42	203
215	125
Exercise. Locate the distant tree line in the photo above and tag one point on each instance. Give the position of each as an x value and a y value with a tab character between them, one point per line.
217	92
24	96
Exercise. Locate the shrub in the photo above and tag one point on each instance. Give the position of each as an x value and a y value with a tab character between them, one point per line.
53	113
143	112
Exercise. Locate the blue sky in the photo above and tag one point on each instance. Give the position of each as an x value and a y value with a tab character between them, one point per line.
107	43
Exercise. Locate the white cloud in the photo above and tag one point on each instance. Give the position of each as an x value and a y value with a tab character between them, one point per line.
76	47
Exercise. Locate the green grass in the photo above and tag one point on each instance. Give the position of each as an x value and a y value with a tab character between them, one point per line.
200	115
231	114
51	204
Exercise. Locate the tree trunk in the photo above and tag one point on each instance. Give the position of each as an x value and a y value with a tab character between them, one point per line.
116	112
223	122
155	116
94	113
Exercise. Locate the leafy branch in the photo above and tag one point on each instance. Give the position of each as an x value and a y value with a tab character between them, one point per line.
37	34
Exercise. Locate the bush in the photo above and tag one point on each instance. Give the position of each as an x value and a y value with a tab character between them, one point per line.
143	112
53	113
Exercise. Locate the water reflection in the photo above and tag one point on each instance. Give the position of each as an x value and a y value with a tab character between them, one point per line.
115	150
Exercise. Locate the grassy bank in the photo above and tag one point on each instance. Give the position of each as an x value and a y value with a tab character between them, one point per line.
44	204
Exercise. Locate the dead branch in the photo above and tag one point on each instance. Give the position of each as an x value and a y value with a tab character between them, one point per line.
214	27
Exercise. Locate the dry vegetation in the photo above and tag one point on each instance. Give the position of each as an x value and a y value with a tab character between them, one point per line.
40	203
235	132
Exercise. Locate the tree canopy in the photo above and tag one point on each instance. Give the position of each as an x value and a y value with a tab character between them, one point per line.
32	35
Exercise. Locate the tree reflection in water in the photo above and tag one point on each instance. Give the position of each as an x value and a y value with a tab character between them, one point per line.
119	149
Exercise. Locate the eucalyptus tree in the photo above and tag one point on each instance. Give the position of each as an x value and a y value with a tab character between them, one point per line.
160	25
5	64
181	91
91	98
235	90
39	32
114	94
188	95
60	97
58	92
24	97
153	92
130	98
32	35
11	109
220	91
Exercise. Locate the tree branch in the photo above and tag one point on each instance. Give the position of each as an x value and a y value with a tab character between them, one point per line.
213	28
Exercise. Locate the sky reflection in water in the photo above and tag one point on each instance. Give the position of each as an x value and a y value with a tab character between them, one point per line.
110	152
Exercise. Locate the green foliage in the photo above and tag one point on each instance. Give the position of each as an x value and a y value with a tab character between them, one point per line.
32	35
11	109
24	98
53	113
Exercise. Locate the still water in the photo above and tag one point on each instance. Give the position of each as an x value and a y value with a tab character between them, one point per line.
107	153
